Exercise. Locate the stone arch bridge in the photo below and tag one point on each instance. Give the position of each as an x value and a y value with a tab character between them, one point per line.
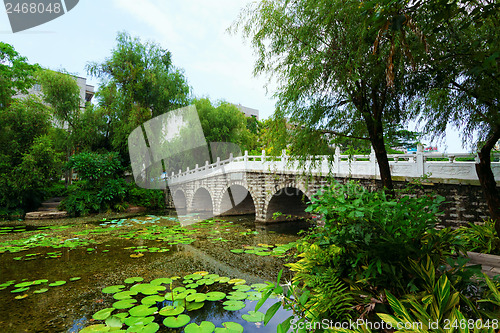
276	188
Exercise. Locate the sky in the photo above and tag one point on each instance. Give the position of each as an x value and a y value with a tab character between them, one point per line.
217	64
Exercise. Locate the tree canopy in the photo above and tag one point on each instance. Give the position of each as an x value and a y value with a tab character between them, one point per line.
336	69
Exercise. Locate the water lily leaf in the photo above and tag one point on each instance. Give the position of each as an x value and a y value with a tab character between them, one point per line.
237	296
76	278
134	279
204	327
136	255
121	315
21	296
20	290
233	305
114	321
242	287
192	306
192	285
214	277
261	253
254	295
202	273
41	281
236	281
229	327
142	310
176	322
124	303
237	250
95	329
149	328
215	296
147	289
253	316
150	300
39	291
139	321
124	294
171	310
57	283
193	277
258	286
112	289
224	279
157	282
196	297
103	314
24	284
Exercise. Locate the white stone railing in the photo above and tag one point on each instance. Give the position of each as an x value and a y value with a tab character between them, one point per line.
445	169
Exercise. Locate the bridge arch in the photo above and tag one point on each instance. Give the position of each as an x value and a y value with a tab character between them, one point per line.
288	202
236	199
202	202
180	201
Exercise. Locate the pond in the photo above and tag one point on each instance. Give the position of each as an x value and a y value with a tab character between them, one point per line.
144	274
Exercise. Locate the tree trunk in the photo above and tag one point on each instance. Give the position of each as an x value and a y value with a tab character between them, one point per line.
487	179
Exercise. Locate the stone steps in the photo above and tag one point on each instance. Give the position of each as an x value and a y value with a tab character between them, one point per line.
490	263
48	210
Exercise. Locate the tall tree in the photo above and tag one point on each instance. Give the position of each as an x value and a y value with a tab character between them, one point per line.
138	82
16	74
336	68
461	84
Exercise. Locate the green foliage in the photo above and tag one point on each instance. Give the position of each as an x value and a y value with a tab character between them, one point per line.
151	199
16	74
28	159
100	187
138	82
481	237
376	233
224	122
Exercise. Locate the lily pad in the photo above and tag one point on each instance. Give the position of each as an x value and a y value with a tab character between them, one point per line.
224	279
258	286
242	287
149	328
114	321
103	314
76	278
21	296
134	279
124	294
196	297
236	281
24	284
124	303
147	289
98	328
237	250
192	306
237	296
215	296
39	291
254	295
135	321
176	322
233	305
150	300
204	327
229	327
171	310
142	310
112	289
253	316
20	290
57	283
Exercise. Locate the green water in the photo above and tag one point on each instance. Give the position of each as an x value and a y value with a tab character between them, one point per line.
101	256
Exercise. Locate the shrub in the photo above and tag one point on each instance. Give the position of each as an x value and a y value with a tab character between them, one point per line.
151	199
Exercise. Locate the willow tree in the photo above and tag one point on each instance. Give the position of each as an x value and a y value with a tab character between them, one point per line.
339	66
461	83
